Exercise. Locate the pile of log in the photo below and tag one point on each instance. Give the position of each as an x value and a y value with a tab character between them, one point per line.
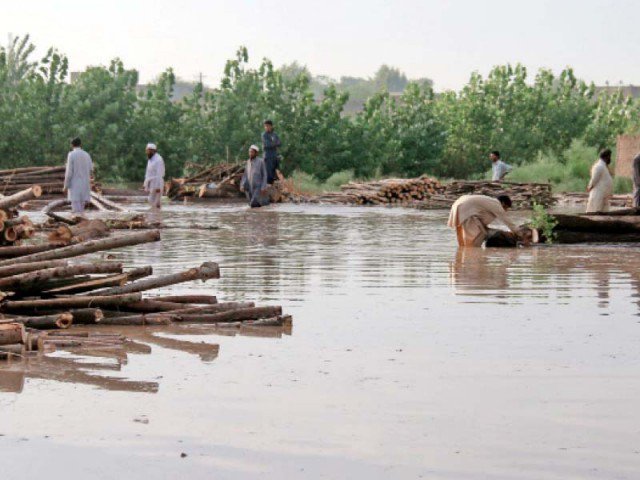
50	179
427	193
218	181
13	227
42	290
391	191
523	195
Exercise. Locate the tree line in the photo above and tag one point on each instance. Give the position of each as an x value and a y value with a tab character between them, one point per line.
446	135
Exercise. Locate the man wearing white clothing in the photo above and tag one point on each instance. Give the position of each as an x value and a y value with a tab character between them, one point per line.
601	184
77	178
154	176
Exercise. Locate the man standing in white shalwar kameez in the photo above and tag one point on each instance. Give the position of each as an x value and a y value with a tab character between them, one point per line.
77	178
154	176
601	185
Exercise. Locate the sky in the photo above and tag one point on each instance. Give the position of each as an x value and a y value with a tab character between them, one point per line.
443	40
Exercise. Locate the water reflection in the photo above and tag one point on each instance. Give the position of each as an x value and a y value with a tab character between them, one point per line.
102	367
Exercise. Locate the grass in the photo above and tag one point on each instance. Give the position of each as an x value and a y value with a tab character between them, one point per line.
569	172
309	184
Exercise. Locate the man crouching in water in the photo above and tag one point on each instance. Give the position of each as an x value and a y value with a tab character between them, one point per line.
254	181
471	215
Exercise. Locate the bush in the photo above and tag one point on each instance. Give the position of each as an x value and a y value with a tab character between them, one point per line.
622	185
334	182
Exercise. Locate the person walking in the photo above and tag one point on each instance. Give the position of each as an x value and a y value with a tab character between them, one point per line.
600	186
499	169
154	176
254	181
270	144
77	178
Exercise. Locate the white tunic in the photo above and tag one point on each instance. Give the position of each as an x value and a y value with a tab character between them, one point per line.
485	209
600	188
154	176
77	178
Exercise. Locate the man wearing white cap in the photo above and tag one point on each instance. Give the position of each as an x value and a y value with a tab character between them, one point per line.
254	181
154	177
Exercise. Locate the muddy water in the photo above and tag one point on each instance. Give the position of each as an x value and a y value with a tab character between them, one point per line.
407	359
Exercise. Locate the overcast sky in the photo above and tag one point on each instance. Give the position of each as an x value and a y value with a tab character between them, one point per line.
439	39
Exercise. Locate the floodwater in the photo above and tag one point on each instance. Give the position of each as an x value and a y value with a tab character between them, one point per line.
408	358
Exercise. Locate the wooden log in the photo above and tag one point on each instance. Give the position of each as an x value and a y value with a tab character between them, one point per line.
88	285
17	198
207	270
232	315
10	235
83	231
89	301
84	316
105	201
30	279
22	250
598	223
138	320
89	246
139	272
197	299
215	308
59	320
153	306
12	333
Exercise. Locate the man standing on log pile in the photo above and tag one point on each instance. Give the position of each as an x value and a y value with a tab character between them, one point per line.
636	181
471	215
77	178
254	181
499	169
154	176
270	144
600	186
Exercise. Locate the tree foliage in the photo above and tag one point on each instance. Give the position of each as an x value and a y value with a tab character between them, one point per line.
417	132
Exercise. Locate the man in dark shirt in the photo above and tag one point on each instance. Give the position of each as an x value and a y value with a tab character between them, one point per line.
270	144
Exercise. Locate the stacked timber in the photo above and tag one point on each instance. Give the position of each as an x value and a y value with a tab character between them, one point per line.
428	193
523	195
50	179
391	191
42	291
13	227
218	181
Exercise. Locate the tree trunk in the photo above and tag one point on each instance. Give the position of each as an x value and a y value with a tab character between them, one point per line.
90	246
84	316
45	322
30	267
11	333
206	271
23	250
93	284
197	299
107	202
83	231
29	280
137	320
17	198
232	315
71	302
